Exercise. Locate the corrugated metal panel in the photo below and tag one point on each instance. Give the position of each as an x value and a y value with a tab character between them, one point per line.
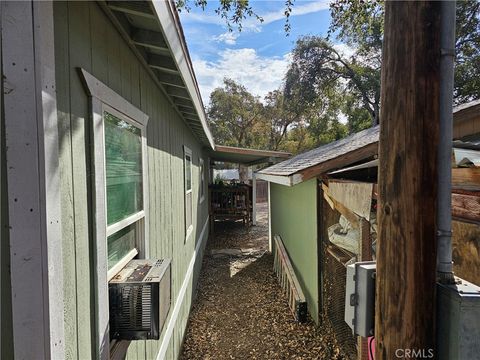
466	157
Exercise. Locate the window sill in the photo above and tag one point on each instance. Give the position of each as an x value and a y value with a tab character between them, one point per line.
121	264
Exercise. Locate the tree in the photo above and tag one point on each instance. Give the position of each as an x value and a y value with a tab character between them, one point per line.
467	61
360	25
238	118
319	68
234	113
280	115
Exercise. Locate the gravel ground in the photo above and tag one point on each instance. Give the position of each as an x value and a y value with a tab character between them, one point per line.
240	311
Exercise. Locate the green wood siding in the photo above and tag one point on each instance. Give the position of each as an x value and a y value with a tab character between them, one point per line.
294	218
85	38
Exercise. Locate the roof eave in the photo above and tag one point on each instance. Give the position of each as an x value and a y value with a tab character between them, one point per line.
286	180
166	14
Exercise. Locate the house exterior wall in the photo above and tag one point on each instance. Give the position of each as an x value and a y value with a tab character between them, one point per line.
6	328
294	218
85	38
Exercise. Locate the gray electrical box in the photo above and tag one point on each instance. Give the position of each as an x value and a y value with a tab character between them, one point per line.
360	298
458	321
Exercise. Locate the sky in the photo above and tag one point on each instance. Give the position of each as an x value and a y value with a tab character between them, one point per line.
258	56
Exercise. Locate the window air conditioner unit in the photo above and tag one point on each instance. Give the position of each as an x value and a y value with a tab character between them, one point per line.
140	297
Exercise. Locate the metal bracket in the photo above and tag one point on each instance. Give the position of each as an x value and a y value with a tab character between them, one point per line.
353	299
442	233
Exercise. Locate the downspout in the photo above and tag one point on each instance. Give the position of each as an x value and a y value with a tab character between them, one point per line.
444	196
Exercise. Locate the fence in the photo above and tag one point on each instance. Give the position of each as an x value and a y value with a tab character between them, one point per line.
262	191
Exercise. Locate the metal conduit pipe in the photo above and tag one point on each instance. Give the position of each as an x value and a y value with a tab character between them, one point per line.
444	197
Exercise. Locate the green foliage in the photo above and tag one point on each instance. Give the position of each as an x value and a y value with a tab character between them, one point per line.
467	62
330	89
234	12
358	24
237	118
233	114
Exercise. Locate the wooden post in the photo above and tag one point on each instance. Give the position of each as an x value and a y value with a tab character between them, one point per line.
254	198
270	244
406	252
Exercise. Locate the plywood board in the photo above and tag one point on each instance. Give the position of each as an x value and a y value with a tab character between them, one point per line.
356	196
466	178
353	218
466	206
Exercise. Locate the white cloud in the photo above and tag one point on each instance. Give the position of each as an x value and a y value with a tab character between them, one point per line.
229	38
344	49
258	74
252	24
297	10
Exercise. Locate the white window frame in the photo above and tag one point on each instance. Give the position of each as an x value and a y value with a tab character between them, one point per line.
187	152
201	169
138	217
103	98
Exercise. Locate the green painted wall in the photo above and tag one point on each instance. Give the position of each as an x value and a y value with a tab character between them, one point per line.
85	37
294	218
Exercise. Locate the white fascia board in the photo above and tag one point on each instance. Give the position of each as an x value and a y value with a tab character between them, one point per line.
277	179
169	27
296	179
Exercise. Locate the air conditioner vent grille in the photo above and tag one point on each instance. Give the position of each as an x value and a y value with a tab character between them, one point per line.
138	309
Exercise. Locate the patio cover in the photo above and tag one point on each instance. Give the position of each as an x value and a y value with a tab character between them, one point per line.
245	156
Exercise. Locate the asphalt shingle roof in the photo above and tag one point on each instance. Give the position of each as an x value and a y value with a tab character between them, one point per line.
324	153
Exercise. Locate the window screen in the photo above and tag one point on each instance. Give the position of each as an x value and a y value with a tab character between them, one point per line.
202	178
188	172
124	186
188	189
123	158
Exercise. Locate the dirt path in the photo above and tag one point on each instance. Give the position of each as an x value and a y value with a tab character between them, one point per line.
240	311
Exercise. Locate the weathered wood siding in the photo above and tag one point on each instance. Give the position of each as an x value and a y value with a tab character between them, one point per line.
84	37
6	330
294	218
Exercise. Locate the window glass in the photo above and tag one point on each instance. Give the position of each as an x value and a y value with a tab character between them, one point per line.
188	172
202	178
121	243
123	158
188	210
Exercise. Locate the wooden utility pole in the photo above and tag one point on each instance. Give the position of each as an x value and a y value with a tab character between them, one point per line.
406	252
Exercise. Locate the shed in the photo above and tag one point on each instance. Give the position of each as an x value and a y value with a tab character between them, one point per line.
316	195
295	203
